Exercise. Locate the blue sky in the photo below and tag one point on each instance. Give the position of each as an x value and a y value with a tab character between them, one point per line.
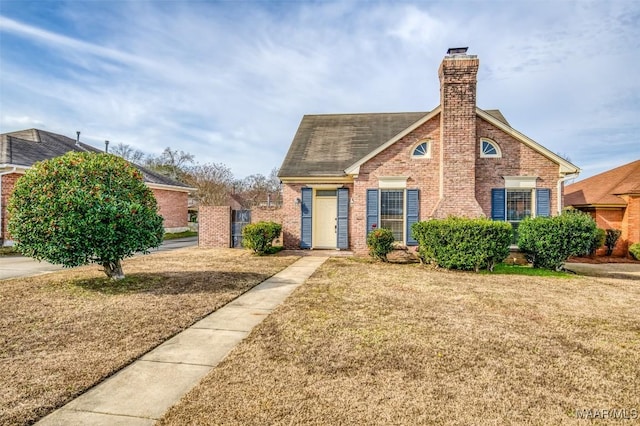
229	81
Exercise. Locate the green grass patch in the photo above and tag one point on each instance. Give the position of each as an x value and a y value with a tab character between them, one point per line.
272	250
9	251
184	234
504	269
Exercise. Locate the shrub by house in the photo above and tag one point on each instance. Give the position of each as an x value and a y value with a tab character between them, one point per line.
467	244
259	236
380	243
547	242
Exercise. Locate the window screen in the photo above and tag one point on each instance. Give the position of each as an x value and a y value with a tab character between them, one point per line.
518	204
392	212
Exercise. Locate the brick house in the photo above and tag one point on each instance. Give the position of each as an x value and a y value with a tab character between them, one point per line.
613	200
347	174
20	150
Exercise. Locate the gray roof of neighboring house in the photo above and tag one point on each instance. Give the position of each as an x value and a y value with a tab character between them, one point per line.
26	147
326	144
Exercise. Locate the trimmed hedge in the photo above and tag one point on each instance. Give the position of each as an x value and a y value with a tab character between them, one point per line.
634	251
466	244
547	242
380	243
259	236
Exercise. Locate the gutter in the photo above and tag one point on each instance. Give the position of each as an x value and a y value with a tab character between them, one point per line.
559	188
2	231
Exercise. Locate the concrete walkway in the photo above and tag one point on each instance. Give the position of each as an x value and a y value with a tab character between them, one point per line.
142	392
606	270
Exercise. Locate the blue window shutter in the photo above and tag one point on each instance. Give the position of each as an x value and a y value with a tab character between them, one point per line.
343	218
413	213
372	209
305	215
543	202
498	201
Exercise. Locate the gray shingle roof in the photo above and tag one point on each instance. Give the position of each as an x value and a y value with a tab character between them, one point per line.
325	145
27	147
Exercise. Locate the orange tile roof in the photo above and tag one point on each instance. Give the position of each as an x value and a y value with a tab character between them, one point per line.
603	189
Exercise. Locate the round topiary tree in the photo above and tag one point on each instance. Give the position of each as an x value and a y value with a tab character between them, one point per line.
84	208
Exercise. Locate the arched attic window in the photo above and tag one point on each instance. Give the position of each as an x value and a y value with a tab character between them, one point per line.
422	150
489	149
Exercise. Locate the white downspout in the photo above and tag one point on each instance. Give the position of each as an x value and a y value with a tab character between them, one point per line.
559	189
2	174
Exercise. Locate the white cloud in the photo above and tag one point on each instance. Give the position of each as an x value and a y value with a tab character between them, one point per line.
229	82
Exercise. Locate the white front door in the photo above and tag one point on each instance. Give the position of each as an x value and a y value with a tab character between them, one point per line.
324	223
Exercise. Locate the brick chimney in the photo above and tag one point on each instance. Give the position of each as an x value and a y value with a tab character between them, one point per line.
458	75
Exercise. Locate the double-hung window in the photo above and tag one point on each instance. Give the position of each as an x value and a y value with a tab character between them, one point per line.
392	212
518	208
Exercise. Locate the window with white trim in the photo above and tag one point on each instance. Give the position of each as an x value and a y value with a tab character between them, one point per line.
392	212
489	149
422	150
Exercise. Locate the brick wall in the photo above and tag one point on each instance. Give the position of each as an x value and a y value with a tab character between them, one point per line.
8	182
264	214
631	219
517	160
291	216
214	226
630	223
423	173
611	219
172	206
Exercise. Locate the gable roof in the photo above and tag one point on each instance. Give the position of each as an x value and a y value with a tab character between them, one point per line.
604	188
338	144
326	144
24	148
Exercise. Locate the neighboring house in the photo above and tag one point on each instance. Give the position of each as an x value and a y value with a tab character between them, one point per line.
20	150
613	200
347	174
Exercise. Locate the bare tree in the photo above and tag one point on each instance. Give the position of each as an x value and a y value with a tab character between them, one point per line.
214	183
128	153
259	190
171	163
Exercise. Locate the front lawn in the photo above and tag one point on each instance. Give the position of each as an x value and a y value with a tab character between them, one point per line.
371	343
63	332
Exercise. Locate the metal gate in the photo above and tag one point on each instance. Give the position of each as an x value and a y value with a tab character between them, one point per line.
239	219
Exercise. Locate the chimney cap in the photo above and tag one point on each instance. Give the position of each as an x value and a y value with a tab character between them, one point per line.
457	50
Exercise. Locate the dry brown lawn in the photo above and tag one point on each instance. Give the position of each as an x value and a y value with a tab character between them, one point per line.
61	333
365	343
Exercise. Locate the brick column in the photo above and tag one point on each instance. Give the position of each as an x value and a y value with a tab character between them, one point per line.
214	226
